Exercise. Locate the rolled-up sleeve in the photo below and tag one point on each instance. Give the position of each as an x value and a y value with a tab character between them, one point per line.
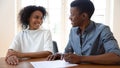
15	45
48	45
69	48
110	43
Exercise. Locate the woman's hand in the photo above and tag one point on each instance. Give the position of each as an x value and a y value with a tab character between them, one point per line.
12	60
10	53
15	53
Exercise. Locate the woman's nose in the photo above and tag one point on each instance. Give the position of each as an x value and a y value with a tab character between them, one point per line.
39	19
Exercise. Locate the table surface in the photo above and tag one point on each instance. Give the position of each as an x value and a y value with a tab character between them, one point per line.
26	64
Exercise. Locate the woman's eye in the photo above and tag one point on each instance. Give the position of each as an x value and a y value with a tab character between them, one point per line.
37	17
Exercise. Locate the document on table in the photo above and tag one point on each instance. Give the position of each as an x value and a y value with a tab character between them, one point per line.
52	64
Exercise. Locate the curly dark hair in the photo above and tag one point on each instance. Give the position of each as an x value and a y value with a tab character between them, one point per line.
26	12
84	6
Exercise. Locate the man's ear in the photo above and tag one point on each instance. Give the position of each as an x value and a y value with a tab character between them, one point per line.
84	15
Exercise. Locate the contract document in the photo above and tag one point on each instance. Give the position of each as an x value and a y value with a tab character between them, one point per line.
52	64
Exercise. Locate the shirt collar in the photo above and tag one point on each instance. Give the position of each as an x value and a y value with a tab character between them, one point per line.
88	29
40	28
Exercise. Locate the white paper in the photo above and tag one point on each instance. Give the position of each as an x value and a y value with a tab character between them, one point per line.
52	64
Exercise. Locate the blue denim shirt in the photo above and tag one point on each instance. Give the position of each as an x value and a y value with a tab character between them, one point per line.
96	39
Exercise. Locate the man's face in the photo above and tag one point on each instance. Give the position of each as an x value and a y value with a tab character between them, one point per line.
76	17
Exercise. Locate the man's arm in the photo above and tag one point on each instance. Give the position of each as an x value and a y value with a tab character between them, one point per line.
108	58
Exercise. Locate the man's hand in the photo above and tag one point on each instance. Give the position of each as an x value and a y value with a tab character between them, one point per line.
72	58
55	57
12	60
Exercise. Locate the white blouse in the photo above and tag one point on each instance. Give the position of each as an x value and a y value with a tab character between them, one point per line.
32	41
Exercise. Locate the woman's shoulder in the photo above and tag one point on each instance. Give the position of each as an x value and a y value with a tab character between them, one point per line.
44	29
18	34
40	30
21	32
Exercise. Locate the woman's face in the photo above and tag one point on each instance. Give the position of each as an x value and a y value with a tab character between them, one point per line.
35	20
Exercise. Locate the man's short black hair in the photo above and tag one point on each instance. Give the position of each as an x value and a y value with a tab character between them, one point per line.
84	6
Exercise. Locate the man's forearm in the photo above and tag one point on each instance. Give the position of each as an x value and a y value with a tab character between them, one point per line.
109	58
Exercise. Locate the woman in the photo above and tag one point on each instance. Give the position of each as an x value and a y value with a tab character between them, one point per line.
33	41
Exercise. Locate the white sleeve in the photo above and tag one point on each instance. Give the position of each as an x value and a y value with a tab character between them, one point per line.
15	45
48	45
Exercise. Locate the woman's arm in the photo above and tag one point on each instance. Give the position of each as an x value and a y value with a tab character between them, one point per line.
40	54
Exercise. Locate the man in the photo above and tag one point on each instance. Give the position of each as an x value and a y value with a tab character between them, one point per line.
89	42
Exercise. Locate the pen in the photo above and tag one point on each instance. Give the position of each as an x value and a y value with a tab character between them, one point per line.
62	56
69	50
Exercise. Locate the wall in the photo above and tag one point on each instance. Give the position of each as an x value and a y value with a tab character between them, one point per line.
7	24
116	20
113	16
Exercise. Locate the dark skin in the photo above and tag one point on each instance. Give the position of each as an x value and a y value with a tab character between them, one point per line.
82	20
13	57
